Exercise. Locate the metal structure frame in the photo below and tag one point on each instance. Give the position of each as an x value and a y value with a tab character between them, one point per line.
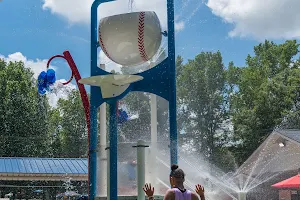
159	80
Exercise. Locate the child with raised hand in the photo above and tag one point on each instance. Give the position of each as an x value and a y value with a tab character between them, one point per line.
177	192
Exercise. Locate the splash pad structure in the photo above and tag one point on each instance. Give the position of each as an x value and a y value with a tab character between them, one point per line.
140	39
128	39
108	88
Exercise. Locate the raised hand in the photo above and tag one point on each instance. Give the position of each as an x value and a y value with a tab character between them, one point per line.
148	190
200	190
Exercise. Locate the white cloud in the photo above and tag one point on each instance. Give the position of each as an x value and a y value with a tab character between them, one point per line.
37	66
74	11
268	19
179	26
78	11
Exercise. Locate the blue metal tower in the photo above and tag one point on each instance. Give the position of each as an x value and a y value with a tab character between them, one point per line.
159	80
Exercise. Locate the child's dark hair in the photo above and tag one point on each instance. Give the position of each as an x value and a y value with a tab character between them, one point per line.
176	172
174	167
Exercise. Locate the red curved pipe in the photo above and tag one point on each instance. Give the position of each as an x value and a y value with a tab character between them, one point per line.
60	56
84	97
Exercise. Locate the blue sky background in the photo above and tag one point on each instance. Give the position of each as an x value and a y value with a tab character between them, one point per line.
36	33
39	34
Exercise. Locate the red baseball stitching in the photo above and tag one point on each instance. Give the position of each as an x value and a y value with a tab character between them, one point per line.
141	31
103	46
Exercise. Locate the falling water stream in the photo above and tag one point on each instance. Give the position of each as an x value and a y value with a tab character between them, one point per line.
130	5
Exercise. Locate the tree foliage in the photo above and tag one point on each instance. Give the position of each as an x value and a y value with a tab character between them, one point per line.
267	90
201	87
73	131
23	113
29	126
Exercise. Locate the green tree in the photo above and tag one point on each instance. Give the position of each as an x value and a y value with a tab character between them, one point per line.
23	112
55	147
266	91
72	129
201	84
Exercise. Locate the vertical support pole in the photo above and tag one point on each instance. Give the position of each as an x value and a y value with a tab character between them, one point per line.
172	100
113	148
93	153
102	158
102	176
94	128
141	168
242	196
153	150
108	172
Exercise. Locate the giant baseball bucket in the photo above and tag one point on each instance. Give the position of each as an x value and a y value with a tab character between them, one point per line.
130	39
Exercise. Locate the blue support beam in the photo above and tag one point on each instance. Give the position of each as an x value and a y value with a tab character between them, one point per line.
172	75
113	148
93	152
95	101
94	128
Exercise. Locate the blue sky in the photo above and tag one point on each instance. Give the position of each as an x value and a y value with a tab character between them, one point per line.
36	33
39	33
